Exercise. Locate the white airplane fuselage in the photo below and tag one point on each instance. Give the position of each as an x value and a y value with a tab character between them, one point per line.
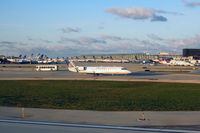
98	70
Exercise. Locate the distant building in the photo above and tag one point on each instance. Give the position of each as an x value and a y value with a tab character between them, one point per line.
2	56
163	53
146	53
191	52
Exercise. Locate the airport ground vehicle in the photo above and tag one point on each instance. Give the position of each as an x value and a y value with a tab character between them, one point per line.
46	68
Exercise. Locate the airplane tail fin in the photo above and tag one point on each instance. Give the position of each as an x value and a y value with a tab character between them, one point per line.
71	66
136	58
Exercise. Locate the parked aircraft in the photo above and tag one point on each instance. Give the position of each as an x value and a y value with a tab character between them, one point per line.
177	63
144	61
97	70
180	63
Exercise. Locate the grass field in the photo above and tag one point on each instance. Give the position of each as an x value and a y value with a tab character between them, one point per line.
101	95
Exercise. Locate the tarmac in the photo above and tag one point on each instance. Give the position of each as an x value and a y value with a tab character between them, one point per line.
137	76
117	118
158	73
36	128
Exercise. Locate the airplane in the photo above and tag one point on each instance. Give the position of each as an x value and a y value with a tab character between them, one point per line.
97	70
180	63
144	61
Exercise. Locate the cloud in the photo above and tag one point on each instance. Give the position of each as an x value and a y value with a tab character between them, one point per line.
139	13
91	40
154	37
65	40
104	44
8	42
10	45
191	4
82	40
166	12
38	40
159	18
192	42
70	30
47	41
113	38
56	48
99	45
9	48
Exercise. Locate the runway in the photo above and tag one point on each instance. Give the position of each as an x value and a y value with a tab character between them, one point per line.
87	126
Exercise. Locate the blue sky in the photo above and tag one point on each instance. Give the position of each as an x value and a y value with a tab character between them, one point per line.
82	27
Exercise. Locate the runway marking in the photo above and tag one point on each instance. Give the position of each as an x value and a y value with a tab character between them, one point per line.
97	126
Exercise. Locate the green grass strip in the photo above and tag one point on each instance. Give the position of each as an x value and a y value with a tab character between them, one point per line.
101	95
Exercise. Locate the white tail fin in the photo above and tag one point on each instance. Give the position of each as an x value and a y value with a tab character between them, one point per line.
71	66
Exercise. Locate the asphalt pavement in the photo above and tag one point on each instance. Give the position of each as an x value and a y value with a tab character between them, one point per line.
135	76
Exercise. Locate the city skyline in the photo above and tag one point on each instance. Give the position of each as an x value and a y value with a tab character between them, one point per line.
72	28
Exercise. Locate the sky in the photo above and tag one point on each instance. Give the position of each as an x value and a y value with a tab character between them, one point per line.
64	28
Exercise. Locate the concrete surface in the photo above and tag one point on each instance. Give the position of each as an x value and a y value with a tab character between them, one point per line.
25	72
131	66
126	118
65	75
31	128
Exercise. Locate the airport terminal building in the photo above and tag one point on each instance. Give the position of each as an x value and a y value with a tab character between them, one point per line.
191	52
